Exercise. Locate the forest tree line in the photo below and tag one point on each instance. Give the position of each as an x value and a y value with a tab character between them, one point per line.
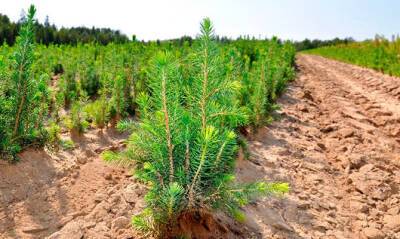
47	33
308	44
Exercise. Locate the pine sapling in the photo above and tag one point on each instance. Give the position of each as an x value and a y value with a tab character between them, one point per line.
26	96
184	148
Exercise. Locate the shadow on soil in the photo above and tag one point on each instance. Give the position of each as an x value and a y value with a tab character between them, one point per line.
24	194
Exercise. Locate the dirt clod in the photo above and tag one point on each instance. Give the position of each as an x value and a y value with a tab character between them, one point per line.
373	233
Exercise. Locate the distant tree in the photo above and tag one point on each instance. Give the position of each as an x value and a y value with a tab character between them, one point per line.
47	33
307	44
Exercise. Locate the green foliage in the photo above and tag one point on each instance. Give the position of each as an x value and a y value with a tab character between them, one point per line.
76	122
42	95
117	73
58	69
54	138
244	146
98	112
90	80
308	44
118	99
267	69
185	146
67	144
379	54
23	97
126	125
68	88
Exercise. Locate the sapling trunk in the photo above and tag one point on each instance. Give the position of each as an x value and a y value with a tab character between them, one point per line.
167	129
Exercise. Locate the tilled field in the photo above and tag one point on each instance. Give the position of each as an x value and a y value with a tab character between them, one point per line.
336	140
338	144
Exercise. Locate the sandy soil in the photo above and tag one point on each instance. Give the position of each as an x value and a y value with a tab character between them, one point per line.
72	191
336	140
338	145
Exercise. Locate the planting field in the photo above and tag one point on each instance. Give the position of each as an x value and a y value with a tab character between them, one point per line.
171	116
379	54
106	137
336	142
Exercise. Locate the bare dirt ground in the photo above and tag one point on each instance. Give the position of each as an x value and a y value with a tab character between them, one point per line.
338	145
336	140
72	194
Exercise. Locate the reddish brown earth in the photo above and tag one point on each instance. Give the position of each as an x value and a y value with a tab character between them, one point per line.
336	140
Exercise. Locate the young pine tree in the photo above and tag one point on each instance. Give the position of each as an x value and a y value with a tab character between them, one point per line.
185	146
76	121
118	102
22	81
98	112
23	94
258	100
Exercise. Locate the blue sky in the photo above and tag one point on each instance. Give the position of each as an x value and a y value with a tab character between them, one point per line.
163	19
